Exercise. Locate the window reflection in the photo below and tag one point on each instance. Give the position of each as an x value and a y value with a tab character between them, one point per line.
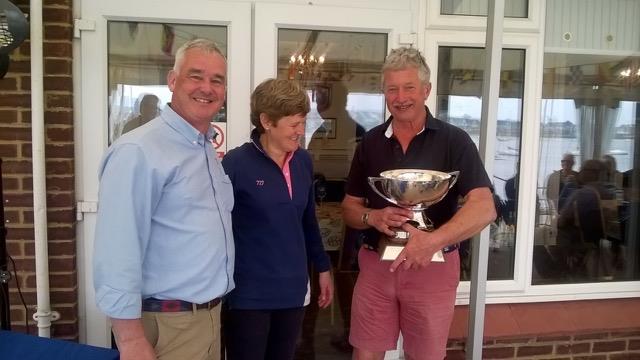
341	72
460	77
588	177
140	55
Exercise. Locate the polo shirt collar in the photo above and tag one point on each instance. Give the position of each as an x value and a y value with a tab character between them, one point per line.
430	124
179	124
255	140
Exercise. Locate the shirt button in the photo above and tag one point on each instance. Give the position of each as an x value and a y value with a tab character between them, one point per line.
194	142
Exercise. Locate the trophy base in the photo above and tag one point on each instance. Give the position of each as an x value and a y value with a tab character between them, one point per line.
389	250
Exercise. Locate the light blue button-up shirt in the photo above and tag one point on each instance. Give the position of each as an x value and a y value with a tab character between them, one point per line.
164	219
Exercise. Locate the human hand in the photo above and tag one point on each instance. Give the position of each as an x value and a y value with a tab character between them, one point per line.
326	289
391	216
418	251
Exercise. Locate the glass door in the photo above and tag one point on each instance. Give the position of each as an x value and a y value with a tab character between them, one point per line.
457	57
124	63
339	66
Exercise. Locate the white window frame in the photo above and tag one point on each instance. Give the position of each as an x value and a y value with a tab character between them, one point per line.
276	16
520	289
269	18
91	122
532	23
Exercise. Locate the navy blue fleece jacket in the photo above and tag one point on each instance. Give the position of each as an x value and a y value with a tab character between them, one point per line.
275	234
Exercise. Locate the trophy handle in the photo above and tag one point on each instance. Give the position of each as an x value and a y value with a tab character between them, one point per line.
373	182
454	178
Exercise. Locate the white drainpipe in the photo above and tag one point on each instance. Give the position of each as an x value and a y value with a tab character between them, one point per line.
43	315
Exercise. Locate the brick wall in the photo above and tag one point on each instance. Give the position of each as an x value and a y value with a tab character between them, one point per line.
15	150
618	345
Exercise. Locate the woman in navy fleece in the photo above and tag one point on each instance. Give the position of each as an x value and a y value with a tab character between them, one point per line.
274	227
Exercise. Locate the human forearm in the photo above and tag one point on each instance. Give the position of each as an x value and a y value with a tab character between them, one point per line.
132	343
352	210
359	217
477	212
127	330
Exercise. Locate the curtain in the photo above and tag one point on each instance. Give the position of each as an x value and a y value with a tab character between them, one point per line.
597	124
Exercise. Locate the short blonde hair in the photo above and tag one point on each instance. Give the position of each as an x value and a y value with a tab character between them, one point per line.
277	98
407	57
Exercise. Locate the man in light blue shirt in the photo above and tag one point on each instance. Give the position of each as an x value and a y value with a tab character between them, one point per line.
164	252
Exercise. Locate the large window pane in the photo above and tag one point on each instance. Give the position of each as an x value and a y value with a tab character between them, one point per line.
460	77
341	72
588	177
140	56
513	8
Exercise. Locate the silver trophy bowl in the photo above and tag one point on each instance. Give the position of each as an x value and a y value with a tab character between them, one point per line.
416	190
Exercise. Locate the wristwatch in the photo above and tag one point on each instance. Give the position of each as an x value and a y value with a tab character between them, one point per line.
365	217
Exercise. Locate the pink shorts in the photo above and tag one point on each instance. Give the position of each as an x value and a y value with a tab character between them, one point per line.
419	303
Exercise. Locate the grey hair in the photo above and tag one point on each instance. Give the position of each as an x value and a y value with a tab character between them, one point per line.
205	45
406	57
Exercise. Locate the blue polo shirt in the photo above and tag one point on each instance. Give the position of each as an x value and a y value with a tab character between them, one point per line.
275	233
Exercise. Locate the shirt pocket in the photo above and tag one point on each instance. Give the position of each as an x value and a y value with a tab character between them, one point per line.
224	192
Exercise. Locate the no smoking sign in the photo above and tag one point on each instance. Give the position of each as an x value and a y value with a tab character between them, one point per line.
220	140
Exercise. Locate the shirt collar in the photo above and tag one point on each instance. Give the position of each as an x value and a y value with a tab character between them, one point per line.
255	140
179	124
430	124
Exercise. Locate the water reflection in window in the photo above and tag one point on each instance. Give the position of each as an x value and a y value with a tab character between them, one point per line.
588	176
460	77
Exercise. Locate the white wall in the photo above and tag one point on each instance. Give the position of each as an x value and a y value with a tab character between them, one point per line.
583	25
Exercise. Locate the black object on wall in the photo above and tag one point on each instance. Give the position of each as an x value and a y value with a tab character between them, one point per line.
5	275
14	29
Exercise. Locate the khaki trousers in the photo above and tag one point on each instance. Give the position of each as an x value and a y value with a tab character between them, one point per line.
193	335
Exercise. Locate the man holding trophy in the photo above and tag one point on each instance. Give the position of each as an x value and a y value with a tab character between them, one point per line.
407	181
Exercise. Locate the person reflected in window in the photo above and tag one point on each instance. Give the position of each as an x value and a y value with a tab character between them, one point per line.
275	228
559	179
612	177
613	180
582	220
511	192
148	110
332	104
